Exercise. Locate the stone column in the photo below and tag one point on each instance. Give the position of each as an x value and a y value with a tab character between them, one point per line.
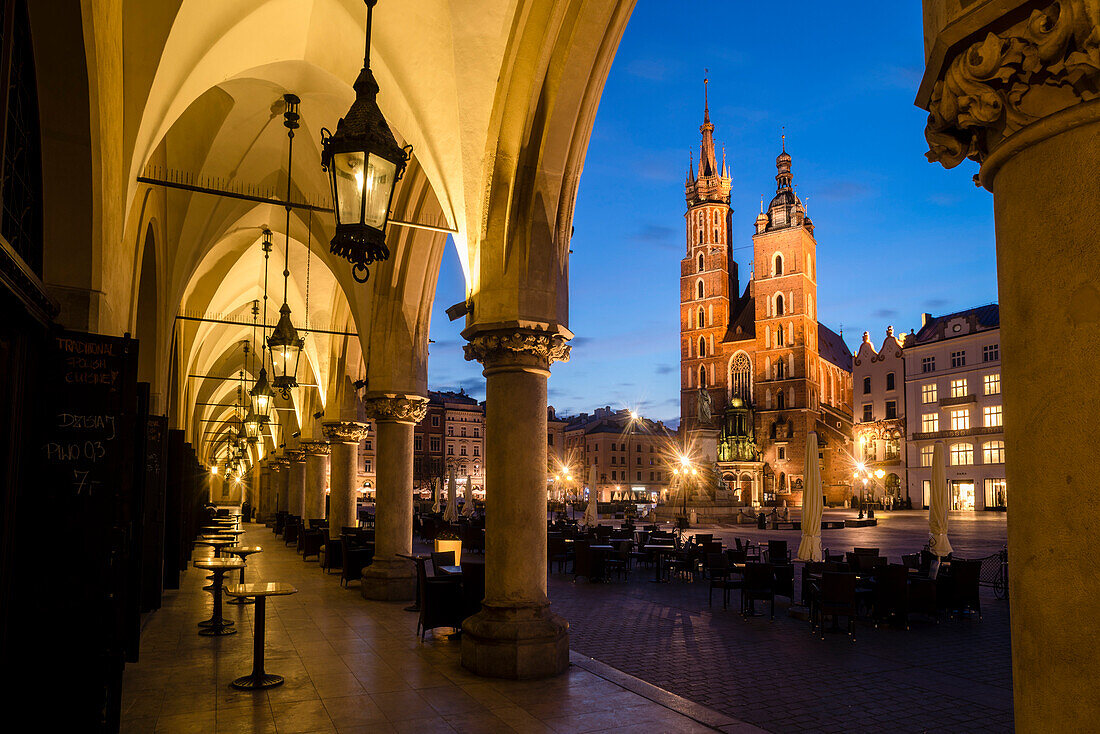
316	478
343	438
1013	86
282	484
515	635
297	482
389	577
263	491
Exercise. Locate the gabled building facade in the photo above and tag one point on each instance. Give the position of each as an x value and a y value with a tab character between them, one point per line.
880	415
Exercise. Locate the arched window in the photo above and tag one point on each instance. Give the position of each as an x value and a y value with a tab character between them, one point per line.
778	264
778	302
779	336
702	376
741	374
780	401
702	347
780	370
700	262
699	289
715	234
702	319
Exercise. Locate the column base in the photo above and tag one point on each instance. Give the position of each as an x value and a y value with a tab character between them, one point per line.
515	642
389	581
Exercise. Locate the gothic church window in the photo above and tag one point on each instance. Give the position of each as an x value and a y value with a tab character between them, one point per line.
700	262
702	347
779	336
702	319
779	370
742	377
702	376
699	289
778	302
780	402
778	264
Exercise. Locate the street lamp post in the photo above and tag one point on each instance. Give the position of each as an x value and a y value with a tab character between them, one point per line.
864	474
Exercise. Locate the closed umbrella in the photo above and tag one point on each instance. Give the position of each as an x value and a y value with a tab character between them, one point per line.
812	504
468	507
937	505
451	513
590	514
436	482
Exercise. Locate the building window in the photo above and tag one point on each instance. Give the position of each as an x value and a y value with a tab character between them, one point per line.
962	454
701	319
367	445
926	455
450	451
928	393
450	430
549	439
702	376
702	347
866	385
930	423
651	476
462	450
870	450
889	380
958	388
612	461
991	353
780	371
418	443
958	359
780	401
477	432
368	466
992	384
639	461
435	421
779	335
996	494
960	419
992	416
477	451
699	289
891	408
892	449
782	453
742	377
867	413
928	364
700	262
779	304
778	264
993	452
462	431
433	444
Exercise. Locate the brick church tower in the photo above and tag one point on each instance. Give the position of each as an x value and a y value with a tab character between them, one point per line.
706	280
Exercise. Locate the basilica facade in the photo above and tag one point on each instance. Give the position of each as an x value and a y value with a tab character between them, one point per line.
758	370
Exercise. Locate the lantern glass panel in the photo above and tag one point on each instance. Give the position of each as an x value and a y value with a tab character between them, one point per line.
285	357
379	181
347	183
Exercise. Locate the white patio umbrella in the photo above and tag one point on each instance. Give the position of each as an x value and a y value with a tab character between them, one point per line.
451	513
937	504
468	507
436	482
812	504
590	515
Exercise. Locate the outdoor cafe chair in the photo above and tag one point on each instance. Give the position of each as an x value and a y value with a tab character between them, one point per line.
582	560
784	580
835	597
440	559
865	551
557	552
911	560
965	577
312	540
811	572
619	560
442	603
334	555
473	586
778	552
892	595
758	583
718	569
355	559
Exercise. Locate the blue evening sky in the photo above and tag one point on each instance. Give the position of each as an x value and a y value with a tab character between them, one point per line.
896	235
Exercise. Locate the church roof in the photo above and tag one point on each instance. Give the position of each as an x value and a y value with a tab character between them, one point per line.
832	348
743	317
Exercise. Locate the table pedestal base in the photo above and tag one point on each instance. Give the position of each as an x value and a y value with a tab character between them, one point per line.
215	623
256	682
218	631
242	600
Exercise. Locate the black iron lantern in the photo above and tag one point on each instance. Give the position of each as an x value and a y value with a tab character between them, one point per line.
364	163
262	398
286	347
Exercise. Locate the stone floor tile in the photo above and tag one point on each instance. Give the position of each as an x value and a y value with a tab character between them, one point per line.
299	717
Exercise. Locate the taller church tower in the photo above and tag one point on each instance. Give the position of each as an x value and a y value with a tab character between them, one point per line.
706	284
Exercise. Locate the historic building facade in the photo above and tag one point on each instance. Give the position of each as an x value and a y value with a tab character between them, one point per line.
632	456
758	370
878	381
953	388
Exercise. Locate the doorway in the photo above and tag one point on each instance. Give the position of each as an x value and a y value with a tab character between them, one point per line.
962	495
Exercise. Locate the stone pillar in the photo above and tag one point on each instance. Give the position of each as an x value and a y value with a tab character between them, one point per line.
296	488
343	438
1012	85
316	478
263	492
515	635
282	484
389	577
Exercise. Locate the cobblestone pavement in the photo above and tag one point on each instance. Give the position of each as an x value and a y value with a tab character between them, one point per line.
954	676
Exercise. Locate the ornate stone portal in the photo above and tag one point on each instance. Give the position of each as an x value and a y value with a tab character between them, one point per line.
515	635
389	577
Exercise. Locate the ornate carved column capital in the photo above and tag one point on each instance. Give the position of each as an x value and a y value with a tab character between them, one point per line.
344	431
397	408
315	448
1010	79
296	455
521	345
278	463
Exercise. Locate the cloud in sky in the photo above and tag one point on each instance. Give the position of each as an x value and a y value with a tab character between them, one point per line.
843	190
660	235
885	313
664	369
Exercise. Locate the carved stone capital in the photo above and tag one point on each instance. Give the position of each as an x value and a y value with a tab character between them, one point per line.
395	408
344	431
525	347
296	454
315	448
1012	78
278	463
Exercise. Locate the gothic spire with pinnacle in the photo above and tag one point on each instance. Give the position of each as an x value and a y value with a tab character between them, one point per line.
708	165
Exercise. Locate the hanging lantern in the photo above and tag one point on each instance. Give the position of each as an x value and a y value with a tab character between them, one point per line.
286	347
364	163
262	398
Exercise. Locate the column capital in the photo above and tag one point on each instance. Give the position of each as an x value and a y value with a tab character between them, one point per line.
297	455
522	344
278	463
344	431
982	94
315	448
395	407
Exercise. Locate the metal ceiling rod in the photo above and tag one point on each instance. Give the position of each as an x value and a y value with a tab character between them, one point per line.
232	322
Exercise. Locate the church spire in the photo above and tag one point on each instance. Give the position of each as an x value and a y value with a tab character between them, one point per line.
708	165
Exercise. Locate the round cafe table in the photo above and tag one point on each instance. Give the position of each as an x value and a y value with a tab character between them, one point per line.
259	678
242	552
660	551
217	626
